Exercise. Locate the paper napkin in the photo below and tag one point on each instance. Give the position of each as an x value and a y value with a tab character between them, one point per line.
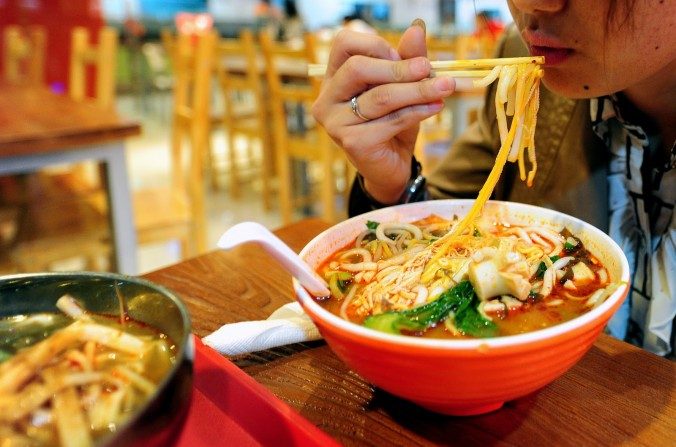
288	324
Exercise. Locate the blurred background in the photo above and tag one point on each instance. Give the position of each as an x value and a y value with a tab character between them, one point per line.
204	101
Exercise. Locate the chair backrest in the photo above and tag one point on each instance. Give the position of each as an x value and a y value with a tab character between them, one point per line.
24	54
102	57
238	71
168	40
288	83
283	62
193	70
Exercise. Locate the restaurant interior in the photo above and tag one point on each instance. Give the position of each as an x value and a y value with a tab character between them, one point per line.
144	144
252	150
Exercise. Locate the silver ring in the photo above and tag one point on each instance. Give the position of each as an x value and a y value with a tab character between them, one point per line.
355	109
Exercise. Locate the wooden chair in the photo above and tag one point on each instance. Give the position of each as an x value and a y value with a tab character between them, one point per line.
313	145
193	62
168	42
63	215
238	72
86	179
102	56
175	212
24	54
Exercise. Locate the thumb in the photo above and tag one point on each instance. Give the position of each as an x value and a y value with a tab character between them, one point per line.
412	42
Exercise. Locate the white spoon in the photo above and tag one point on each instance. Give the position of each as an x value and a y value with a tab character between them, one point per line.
255	232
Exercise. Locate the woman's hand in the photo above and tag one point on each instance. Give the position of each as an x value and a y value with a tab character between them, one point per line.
394	93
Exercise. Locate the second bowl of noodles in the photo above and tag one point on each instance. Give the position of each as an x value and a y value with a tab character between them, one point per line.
92	359
460	324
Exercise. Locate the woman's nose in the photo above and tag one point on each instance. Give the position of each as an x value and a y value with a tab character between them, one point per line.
535	6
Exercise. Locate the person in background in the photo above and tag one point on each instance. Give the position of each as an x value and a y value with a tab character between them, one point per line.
605	136
481	43
488	27
292	29
355	22
268	17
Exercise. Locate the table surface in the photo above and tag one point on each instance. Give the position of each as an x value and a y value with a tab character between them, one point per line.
34	120
616	394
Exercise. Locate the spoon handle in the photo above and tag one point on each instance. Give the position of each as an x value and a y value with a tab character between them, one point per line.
255	232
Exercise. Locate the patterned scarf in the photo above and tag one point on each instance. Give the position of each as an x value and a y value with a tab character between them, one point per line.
642	193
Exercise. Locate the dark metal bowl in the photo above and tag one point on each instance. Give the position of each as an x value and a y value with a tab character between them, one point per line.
156	422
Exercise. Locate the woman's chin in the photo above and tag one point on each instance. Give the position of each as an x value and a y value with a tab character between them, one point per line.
568	86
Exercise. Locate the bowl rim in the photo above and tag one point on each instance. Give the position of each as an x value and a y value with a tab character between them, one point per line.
186	347
508	341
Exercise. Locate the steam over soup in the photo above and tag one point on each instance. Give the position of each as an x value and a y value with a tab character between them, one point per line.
422	279
71	379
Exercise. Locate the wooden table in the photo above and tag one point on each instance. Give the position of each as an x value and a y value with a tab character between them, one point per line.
39	129
617	394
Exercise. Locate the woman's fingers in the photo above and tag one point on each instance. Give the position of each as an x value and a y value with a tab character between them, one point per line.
358	73
375	132
385	99
412	43
350	43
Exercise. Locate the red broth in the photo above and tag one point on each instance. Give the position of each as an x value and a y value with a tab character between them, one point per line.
535	312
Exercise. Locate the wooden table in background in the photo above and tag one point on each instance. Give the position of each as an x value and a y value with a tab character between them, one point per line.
39	128
617	394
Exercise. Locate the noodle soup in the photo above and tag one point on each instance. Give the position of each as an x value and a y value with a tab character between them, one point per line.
91	359
450	373
496	279
65	381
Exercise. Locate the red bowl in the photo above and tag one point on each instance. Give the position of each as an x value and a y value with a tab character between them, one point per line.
464	377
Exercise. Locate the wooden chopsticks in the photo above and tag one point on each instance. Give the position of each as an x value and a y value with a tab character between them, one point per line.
471	68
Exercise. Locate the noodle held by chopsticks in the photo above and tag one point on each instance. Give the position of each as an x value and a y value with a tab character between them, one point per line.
517	94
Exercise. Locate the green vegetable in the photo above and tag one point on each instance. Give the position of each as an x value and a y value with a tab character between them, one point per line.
460	299
338	283
568	247
476	233
471	322
4	355
372	225
542	268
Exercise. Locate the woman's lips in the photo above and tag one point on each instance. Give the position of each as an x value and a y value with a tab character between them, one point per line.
553	55
542	44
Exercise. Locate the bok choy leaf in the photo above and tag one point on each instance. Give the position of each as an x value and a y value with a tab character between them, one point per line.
460	299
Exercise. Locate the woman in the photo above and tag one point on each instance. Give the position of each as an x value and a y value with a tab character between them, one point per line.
615	59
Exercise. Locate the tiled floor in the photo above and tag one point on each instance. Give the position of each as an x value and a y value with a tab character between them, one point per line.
148	159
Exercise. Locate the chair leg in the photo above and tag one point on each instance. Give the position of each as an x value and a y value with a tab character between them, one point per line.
234	170
267	167
327	189
211	165
176	153
348	176
186	247
265	175
199	138
285	185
